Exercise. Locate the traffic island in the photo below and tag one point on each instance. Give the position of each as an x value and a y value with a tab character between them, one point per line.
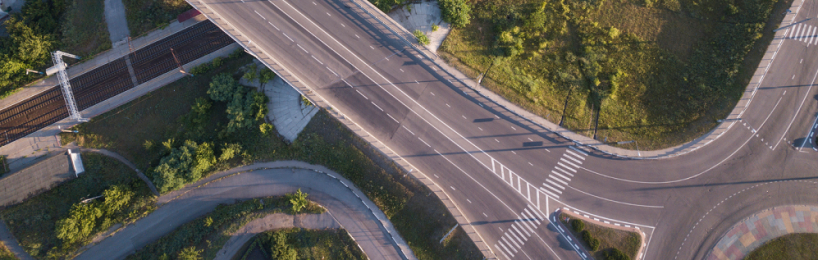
601	240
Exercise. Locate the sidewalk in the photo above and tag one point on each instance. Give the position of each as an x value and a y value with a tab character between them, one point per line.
117	24
751	233
21	152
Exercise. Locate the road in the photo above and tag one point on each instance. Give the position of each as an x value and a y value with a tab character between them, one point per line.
506	174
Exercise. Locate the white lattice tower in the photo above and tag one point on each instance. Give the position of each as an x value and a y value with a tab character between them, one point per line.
71	104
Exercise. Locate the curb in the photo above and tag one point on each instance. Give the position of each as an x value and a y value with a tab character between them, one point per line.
596	221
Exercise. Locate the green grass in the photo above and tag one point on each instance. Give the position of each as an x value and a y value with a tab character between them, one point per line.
800	246
626	241
682	64
33	221
84	30
209	233
146	15
156	117
5	254
309	244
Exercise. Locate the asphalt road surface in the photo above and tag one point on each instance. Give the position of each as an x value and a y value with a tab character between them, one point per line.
508	175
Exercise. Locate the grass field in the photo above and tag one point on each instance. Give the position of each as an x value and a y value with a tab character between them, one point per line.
84	31
207	234
158	117
658	72
145	15
5	254
625	241
308	244
801	246
33	222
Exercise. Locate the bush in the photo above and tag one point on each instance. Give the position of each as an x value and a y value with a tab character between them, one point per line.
298	200
185	164
615	254
422	39
435	27
455	12
266	128
577	225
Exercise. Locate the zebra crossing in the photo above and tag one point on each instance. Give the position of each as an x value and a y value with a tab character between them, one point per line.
514	238
562	173
804	33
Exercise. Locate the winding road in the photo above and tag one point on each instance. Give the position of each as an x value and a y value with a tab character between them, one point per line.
507	174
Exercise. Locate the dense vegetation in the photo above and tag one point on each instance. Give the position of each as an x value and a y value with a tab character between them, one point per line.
205	236
294	243
659	72
145	15
57	223
603	242
5	254
138	130
799	246
42	27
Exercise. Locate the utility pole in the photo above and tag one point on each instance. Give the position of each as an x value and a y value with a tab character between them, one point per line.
73	112
130	47
181	69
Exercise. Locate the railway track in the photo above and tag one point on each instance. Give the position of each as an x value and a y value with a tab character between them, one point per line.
111	79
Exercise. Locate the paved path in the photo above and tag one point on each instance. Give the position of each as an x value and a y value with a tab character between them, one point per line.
421	16
117	24
286	110
751	233
42	176
270	222
353	211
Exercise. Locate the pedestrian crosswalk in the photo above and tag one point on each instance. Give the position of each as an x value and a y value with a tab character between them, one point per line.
515	237
803	33
561	175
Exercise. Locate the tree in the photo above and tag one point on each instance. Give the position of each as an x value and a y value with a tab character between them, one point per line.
81	221
252	73
298	200
455	12
266	75
280	249
265	128
615	254
222	87
187	163
116	198
577	225
190	253
229	151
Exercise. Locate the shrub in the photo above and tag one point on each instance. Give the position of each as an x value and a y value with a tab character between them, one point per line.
422	39
298	200
266	128
435	27
455	12
281	249
190	253
184	164
217	62
577	225
615	254
229	151
222	87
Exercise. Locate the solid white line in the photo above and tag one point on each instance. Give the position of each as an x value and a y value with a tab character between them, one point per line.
575	154
558	179
555	184
624	203
797	111
560	175
362	94
566	167
578	150
373	103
